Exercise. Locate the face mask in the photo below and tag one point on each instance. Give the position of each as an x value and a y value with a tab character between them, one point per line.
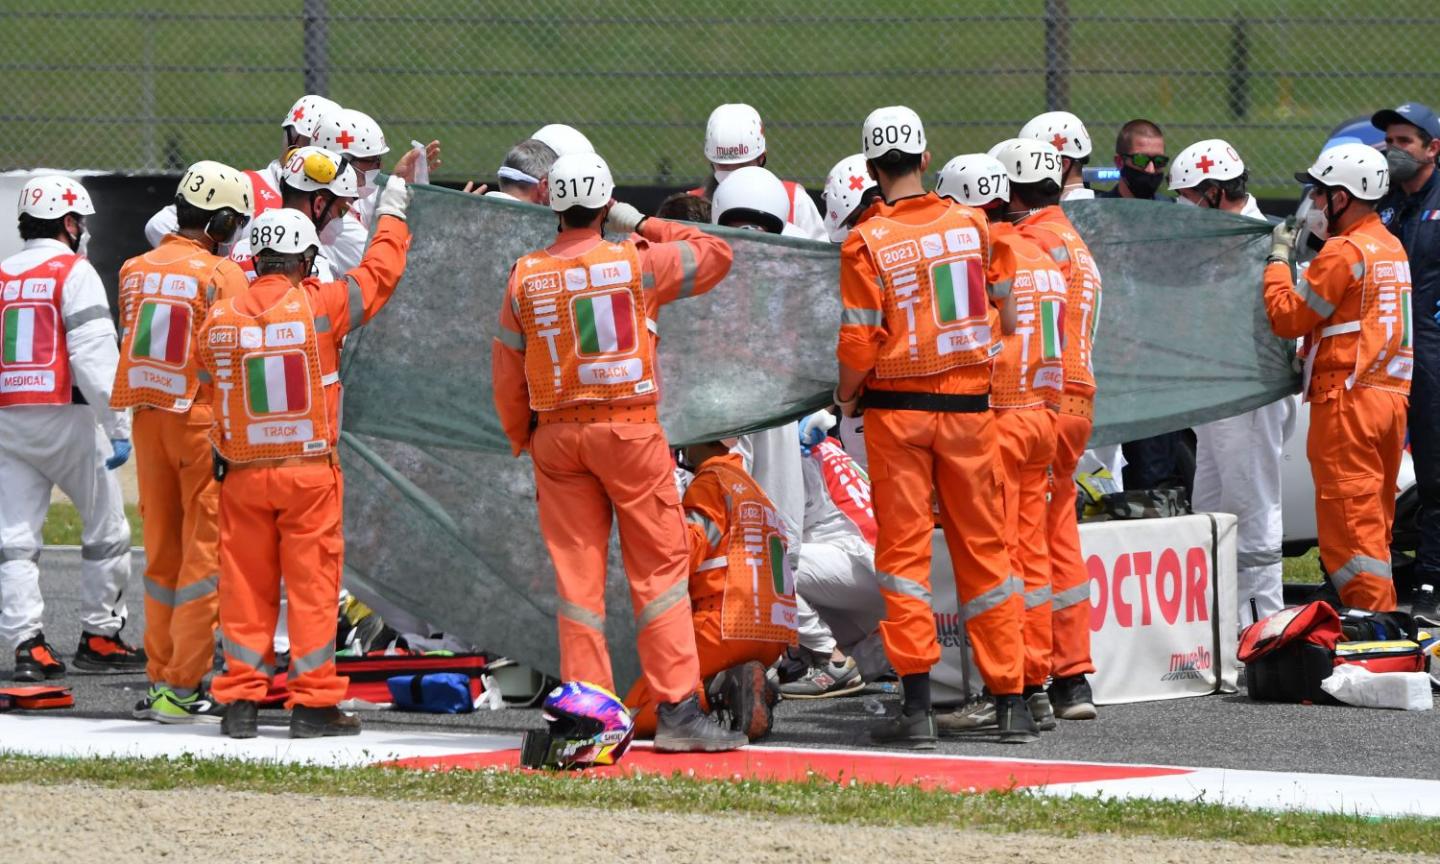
1142	184
1312	219
722	173
370	177
82	243
331	232
1403	166
1186	201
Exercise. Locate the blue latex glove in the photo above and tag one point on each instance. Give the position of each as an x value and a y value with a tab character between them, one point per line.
813	430
121	446
1436	314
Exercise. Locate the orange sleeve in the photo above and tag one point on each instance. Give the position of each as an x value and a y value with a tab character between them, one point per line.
228	280
683	260
708	526
352	301
509	388
1296	307
862	318
1000	274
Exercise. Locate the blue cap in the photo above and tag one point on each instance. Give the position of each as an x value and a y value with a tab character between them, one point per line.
1414	113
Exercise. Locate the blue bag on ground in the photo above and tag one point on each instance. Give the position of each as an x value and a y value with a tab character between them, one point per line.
433	693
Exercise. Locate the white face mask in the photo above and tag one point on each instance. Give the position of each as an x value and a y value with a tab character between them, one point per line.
1312	219
370	178
1181	199
331	232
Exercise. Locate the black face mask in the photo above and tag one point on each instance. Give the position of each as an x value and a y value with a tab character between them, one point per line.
1141	183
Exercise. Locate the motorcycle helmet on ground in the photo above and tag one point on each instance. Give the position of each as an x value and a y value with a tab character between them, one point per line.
585	725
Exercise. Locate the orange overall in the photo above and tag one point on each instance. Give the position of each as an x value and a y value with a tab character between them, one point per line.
1353	307
1028	378
165	295
273	354
1049	229
575	383
743	601
914	289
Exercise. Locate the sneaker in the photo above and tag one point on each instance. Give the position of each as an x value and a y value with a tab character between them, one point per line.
914	731
978	713
1040	708
793	663
322	722
145	708
35	660
1071	698
681	727
825	680
198	707
743	695
1013	719
107	654
241	720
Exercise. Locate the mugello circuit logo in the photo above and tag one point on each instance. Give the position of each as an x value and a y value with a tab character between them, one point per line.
734	152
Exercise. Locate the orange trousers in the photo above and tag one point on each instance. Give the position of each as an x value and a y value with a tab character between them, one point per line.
1069	580
716	655
912	455
276	520
1027	447
179	501
588	475
1355	444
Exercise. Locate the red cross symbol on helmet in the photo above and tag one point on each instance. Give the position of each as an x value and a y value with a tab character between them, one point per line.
69	196
856	182
299	113
1059	141
344	139
1204	164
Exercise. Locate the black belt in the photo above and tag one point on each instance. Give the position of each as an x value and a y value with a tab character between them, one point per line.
947	403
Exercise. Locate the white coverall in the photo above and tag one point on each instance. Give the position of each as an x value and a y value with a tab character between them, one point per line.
1237	470
837	594
805	216
42	446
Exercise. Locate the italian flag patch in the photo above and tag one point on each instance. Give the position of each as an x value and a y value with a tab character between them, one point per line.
605	323
1405	319
959	290
1052	329
277	383
29	335
777	564
162	333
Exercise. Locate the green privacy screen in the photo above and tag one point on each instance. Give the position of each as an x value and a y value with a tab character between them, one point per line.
441	520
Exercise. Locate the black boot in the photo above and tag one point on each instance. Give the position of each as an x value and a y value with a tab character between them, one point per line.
915	731
1071	698
681	727
241	720
1015	722
743	693
317	722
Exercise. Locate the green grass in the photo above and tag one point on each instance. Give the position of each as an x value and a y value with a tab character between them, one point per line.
62	524
838	804
640	78
1303	568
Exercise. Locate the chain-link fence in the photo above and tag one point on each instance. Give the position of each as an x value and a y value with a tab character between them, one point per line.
139	85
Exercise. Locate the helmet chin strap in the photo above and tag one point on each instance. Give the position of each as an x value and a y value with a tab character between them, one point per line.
1330	215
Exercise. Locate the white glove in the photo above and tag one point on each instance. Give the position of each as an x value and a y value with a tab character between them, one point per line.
1282	242
623	219
394	198
852	438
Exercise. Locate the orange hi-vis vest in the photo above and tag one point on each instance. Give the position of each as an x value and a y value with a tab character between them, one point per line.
1385	355
759	598
34	357
1030	371
1082	307
586	332
935	297
162	306
263	197
269	381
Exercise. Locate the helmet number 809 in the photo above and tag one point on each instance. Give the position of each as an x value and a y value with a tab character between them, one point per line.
891	134
570	187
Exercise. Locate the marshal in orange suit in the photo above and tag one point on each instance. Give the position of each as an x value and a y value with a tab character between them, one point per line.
575	384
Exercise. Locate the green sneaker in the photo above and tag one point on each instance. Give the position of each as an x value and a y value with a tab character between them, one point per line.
145	708
198	707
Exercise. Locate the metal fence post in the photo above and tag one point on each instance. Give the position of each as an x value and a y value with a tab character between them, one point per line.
317	47
1238	92
147	98
1057	55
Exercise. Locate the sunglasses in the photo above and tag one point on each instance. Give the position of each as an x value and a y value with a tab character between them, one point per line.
1140	160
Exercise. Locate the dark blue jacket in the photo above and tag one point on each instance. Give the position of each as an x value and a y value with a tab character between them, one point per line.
1415	219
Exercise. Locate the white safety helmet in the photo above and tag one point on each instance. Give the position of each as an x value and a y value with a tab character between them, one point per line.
350	133
1029	161
211	185
756	194
1357	168
306	113
313	168
892	128
975	179
1062	130
283	231
564	140
734	134
1211	159
52	196
580	180
844	189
